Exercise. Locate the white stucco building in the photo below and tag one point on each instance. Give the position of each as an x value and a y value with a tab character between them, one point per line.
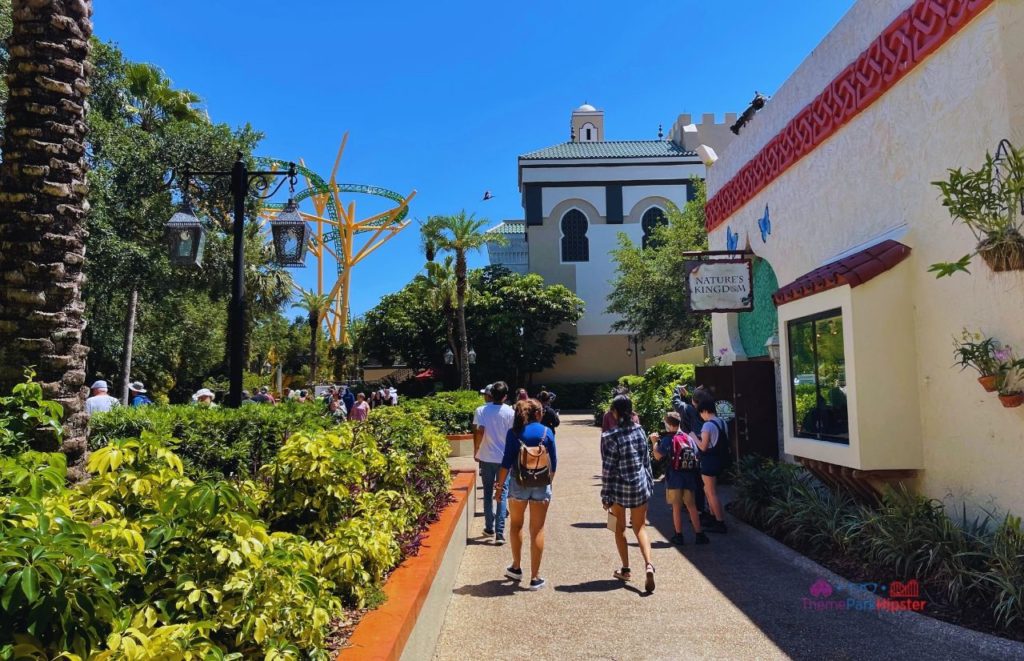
577	197
830	187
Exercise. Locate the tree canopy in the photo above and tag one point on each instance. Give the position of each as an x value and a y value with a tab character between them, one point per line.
649	291
501	303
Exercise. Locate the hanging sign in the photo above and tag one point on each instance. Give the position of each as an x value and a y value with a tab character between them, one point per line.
720	285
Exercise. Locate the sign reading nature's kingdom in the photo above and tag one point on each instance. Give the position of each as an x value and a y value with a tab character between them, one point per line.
720	285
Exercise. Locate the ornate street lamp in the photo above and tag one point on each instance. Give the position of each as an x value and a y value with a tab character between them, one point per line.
772	345
472	356
449	357
290	234
186	237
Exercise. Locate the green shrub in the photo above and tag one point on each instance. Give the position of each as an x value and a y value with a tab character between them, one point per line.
450	412
144	562
27	420
971	563
652	392
215	440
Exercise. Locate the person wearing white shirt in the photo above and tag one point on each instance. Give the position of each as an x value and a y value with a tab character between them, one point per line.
99	401
491	424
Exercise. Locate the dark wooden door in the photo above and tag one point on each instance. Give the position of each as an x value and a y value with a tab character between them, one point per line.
757	430
749	386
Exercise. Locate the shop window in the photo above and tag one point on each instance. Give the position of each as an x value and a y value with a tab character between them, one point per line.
575	244
817	365
652	218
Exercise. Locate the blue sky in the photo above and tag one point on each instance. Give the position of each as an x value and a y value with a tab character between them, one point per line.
442	97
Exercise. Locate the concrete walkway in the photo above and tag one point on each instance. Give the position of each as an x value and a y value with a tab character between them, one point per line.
736	598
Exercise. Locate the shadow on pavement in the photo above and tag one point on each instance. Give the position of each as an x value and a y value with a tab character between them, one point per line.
594	525
600	585
773	594
499	587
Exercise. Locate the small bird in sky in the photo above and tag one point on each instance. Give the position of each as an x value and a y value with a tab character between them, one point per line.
487	195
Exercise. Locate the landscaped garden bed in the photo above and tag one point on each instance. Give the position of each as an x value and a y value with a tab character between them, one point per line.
156	554
452	414
970	571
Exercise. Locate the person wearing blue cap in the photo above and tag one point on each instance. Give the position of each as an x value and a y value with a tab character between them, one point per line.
99	400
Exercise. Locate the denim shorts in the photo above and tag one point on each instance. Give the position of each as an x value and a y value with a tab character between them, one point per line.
539	494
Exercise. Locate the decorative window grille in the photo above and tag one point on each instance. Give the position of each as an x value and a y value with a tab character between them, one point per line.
575	244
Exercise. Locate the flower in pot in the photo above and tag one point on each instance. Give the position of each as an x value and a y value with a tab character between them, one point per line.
990	202
1011	381
978	352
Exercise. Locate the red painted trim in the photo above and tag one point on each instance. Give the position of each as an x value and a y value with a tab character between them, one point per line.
915	34
382	634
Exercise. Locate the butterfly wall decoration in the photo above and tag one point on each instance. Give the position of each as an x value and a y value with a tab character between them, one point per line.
764	223
732	239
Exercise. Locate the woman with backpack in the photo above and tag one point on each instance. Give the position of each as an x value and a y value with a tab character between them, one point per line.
627	483
714	453
682	477
531	456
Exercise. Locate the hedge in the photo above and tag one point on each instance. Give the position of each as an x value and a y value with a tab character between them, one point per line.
450	412
216	440
143	561
651	393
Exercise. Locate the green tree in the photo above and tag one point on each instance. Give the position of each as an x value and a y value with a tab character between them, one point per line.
43	205
130	205
502	303
460	234
152	104
6	26
437	288
315	306
649	291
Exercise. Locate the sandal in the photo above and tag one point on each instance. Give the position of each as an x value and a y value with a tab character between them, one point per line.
649	584
622	574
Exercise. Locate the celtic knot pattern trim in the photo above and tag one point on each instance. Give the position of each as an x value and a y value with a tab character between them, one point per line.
915	34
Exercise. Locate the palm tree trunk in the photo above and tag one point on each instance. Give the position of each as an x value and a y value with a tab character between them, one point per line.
314	327
129	341
43	206
460	295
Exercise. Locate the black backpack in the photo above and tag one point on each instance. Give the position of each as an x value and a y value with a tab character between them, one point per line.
723	448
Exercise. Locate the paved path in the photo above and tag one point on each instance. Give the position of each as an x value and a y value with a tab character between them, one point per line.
735	598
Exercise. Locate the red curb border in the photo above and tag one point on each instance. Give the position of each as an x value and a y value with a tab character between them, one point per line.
382	634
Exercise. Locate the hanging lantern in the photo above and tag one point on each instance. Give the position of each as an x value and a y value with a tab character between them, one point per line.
448	356
290	235
472	356
186	237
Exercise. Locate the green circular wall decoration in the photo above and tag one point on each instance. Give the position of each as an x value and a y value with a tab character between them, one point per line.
757	326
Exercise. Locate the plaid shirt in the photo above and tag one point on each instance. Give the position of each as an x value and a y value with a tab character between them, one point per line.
626	477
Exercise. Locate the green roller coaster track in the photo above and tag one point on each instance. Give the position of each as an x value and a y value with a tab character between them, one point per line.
320	187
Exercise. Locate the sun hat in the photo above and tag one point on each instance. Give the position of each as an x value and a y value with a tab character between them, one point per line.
204	392
99	385
137	386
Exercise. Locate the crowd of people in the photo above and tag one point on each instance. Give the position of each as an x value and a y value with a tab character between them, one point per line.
342	401
517	454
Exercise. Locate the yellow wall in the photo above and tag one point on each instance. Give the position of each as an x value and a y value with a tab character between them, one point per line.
691	356
597	358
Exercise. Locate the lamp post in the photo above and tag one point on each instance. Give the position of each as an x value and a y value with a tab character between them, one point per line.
635	347
772	345
186	236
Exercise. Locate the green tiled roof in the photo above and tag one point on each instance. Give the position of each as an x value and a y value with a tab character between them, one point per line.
612	149
509	227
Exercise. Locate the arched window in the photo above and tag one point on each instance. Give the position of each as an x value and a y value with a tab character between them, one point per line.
653	217
575	244
588	133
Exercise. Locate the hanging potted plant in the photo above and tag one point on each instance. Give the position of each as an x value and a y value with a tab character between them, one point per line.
1011	378
990	202
978	352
